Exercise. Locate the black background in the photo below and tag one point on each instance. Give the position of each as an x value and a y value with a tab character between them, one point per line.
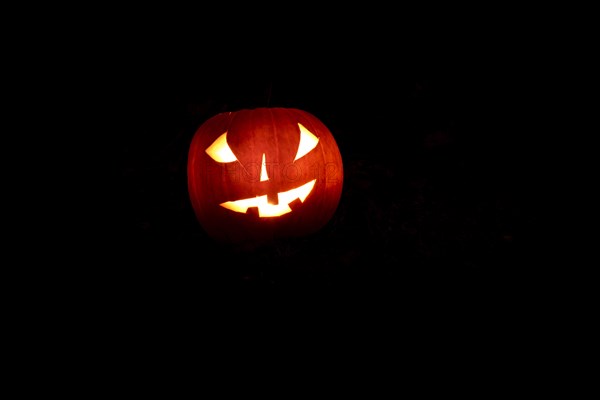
448	236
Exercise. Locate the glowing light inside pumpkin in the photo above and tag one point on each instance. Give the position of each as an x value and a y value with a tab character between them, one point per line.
308	141
220	151
263	170
272	210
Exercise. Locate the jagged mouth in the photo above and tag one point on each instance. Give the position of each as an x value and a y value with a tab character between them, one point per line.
265	209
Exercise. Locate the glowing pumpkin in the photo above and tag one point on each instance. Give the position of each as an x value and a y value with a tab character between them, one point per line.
264	173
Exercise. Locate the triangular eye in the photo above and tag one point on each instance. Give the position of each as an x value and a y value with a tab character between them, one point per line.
308	141
220	151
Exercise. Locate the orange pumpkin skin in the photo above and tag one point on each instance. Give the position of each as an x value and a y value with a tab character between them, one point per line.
263	162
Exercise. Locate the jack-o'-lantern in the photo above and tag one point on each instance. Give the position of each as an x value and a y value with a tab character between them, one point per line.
260	174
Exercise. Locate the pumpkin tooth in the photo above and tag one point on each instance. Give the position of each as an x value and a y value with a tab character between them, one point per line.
273	198
295	204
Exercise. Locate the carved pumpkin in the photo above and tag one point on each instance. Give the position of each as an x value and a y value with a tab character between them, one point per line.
259	174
